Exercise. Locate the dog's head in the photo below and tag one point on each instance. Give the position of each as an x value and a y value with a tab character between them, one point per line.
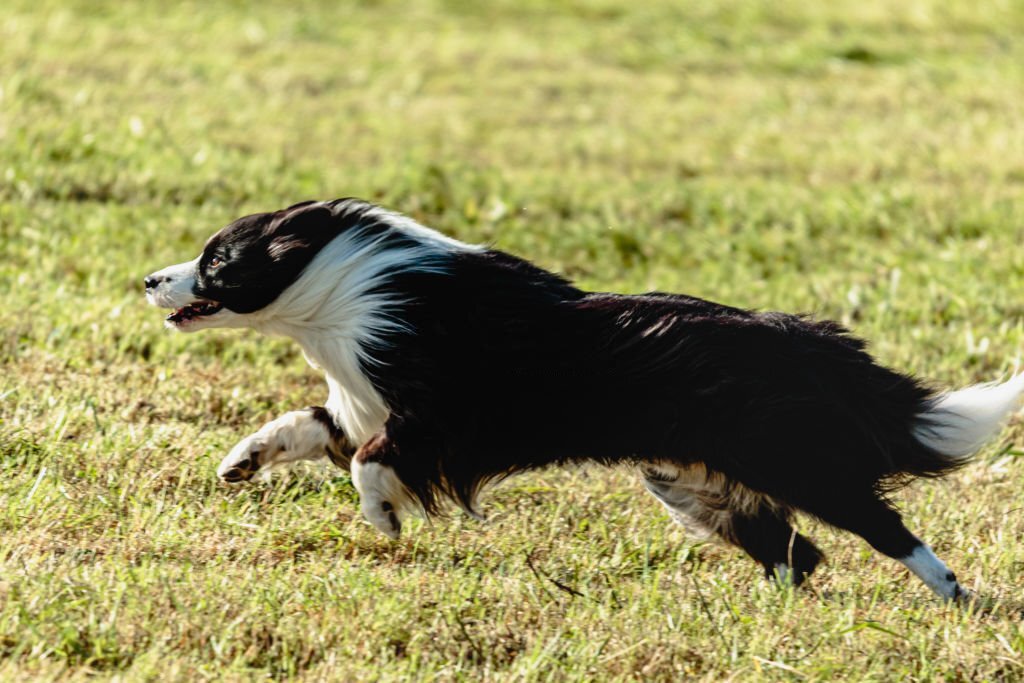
312	266
243	268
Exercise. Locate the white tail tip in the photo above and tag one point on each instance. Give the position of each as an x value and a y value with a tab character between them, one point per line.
958	423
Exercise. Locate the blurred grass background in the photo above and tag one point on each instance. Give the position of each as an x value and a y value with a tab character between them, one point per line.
859	160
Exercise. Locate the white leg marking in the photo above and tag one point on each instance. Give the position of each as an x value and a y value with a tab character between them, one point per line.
292	437
382	497
933	572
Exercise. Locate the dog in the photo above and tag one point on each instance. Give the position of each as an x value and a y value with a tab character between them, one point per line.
450	366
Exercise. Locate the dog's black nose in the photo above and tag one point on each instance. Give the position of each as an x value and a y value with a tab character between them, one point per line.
151	281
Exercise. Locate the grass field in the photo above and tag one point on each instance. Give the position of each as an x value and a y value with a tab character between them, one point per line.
859	160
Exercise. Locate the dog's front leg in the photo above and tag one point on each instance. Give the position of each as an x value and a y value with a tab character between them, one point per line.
308	434
384	497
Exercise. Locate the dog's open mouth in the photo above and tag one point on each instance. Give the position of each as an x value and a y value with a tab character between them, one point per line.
197	310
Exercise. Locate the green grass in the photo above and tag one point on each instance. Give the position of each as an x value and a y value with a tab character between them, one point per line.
860	160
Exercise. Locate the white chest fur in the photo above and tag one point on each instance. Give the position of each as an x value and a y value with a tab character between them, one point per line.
337	310
356	407
352	400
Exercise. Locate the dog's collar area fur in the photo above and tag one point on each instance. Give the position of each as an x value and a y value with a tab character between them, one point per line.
450	366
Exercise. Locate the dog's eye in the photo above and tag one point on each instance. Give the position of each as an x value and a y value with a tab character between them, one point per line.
216	262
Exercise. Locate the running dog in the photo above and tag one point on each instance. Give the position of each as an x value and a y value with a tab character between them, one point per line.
450	366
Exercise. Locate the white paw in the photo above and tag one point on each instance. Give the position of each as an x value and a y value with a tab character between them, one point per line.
245	459
381	514
935	574
383	499
292	437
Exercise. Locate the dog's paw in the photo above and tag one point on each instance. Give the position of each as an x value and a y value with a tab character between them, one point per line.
383	516
245	459
382	497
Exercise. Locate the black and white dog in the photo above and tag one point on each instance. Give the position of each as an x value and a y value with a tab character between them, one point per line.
451	365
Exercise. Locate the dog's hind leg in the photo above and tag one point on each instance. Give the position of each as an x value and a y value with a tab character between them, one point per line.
875	520
767	535
709	504
308	434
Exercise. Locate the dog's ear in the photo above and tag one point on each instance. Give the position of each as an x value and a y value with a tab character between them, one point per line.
298	228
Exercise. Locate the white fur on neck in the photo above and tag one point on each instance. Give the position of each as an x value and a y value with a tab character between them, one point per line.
421	233
332	311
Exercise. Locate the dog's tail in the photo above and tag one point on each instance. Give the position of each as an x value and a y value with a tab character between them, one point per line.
953	426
